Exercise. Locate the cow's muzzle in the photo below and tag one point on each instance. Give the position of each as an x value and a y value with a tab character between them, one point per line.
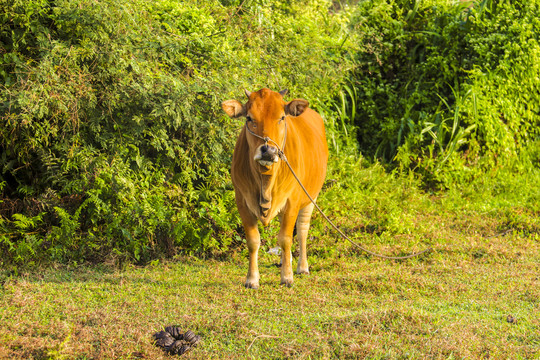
266	155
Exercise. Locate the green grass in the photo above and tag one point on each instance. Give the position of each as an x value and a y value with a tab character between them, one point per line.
451	304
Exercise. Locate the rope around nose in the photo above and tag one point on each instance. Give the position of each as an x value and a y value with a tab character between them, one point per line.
282	156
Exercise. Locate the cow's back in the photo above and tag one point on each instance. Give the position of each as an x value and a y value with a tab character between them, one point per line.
307	152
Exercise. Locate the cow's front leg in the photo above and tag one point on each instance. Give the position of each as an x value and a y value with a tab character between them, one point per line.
253	239
302	227
285	242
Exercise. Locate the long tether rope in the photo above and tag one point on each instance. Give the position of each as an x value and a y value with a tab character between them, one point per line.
282	156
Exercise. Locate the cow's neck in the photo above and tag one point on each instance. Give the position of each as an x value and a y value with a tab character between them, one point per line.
265	195
268	201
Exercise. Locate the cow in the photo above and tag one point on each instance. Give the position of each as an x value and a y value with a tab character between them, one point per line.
264	186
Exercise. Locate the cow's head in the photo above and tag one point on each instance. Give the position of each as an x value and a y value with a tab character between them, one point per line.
266	113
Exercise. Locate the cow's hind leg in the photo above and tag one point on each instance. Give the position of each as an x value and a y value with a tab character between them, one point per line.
302	227
285	242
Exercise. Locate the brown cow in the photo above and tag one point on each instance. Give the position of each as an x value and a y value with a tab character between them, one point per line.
264	185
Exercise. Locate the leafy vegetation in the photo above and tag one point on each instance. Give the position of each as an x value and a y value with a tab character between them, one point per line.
112	139
448	90
114	148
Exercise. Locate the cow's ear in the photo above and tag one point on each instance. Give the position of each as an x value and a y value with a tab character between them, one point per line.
296	107
233	108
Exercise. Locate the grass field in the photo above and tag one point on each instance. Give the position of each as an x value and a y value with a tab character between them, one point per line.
476	296
113	149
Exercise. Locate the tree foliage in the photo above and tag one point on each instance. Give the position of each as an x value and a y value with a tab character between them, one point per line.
112	140
446	89
111	134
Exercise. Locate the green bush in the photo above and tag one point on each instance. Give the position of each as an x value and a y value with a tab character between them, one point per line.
112	139
113	143
448	90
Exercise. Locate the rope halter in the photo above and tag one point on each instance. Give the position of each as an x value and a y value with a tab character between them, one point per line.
266	140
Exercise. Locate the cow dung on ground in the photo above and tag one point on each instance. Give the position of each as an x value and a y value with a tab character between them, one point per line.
174	341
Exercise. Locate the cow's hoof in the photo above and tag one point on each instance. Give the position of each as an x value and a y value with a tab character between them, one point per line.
252	284
302	271
287	282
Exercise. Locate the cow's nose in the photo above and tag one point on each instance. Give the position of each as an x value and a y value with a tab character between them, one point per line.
268	153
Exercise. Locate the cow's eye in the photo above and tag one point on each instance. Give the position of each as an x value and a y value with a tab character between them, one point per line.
248	118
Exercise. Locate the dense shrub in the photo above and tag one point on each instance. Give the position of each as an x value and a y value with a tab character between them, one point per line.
448	90
113	144
111	134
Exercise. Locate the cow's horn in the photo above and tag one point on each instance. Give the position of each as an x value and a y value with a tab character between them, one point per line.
284	92
248	93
